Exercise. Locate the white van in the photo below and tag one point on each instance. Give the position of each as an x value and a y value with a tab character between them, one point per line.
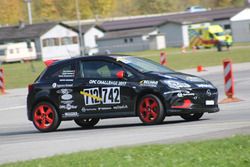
12	52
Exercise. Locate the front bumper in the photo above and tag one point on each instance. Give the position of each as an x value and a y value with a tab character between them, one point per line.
191	101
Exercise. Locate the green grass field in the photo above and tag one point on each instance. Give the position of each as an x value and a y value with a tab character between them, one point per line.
230	152
18	75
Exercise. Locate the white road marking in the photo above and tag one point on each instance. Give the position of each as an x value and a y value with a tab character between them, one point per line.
12	108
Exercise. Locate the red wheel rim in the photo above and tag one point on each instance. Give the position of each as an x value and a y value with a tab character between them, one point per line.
149	109
44	116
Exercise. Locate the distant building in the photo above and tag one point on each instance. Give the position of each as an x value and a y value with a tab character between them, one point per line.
131	40
90	33
144	32
52	40
241	26
173	26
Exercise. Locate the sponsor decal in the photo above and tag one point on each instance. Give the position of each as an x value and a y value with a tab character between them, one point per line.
149	83
55	85
88	109
65	94
67	106
66	80
204	85
106	82
71	114
185	93
64	91
66	97
106	95
120	107
67	102
180	94
67	74
104	108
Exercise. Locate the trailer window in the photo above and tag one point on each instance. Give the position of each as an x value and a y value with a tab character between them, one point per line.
2	52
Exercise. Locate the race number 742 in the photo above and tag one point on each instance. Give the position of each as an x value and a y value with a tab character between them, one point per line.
111	95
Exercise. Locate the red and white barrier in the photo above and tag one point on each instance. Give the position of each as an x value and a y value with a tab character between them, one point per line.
2	85
163	58
229	82
228	78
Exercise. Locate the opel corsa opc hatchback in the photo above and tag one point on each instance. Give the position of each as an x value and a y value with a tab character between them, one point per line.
87	89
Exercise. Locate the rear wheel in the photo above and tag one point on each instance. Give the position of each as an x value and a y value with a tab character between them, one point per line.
151	110
45	117
87	122
192	117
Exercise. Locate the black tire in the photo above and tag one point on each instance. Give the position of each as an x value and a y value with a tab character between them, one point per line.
87	122
150	110
192	117
45	117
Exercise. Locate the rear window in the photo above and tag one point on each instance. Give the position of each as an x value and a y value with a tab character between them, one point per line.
65	70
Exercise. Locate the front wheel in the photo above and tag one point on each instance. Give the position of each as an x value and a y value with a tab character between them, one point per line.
192	117
87	122
45	117
151	110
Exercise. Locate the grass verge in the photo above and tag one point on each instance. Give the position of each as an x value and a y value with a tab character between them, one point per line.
229	152
18	75
204	57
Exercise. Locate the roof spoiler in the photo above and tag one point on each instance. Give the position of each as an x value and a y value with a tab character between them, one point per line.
50	62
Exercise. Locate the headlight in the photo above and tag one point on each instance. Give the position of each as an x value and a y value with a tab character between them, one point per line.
176	84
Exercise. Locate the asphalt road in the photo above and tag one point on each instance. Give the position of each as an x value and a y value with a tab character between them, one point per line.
19	140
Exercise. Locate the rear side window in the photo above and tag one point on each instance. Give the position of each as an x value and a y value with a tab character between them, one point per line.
60	71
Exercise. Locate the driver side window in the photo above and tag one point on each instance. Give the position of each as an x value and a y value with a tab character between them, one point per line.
99	69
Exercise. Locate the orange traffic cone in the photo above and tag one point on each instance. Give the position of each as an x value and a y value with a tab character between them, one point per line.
200	68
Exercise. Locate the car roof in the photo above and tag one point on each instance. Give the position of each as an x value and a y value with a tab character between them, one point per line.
95	57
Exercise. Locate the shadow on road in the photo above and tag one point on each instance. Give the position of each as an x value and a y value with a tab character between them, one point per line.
98	127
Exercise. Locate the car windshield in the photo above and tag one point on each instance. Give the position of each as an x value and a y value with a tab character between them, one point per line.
144	65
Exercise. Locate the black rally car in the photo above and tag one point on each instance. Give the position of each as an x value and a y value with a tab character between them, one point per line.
87	89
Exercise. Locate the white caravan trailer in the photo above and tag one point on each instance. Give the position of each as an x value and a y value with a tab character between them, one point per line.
12	52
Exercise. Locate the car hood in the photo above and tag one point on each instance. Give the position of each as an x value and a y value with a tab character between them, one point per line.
194	81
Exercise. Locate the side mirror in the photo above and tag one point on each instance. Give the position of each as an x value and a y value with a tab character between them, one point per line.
120	74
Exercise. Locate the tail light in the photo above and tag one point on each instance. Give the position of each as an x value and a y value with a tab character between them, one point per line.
30	87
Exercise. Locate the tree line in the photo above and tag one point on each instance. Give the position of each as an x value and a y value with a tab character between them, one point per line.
13	11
